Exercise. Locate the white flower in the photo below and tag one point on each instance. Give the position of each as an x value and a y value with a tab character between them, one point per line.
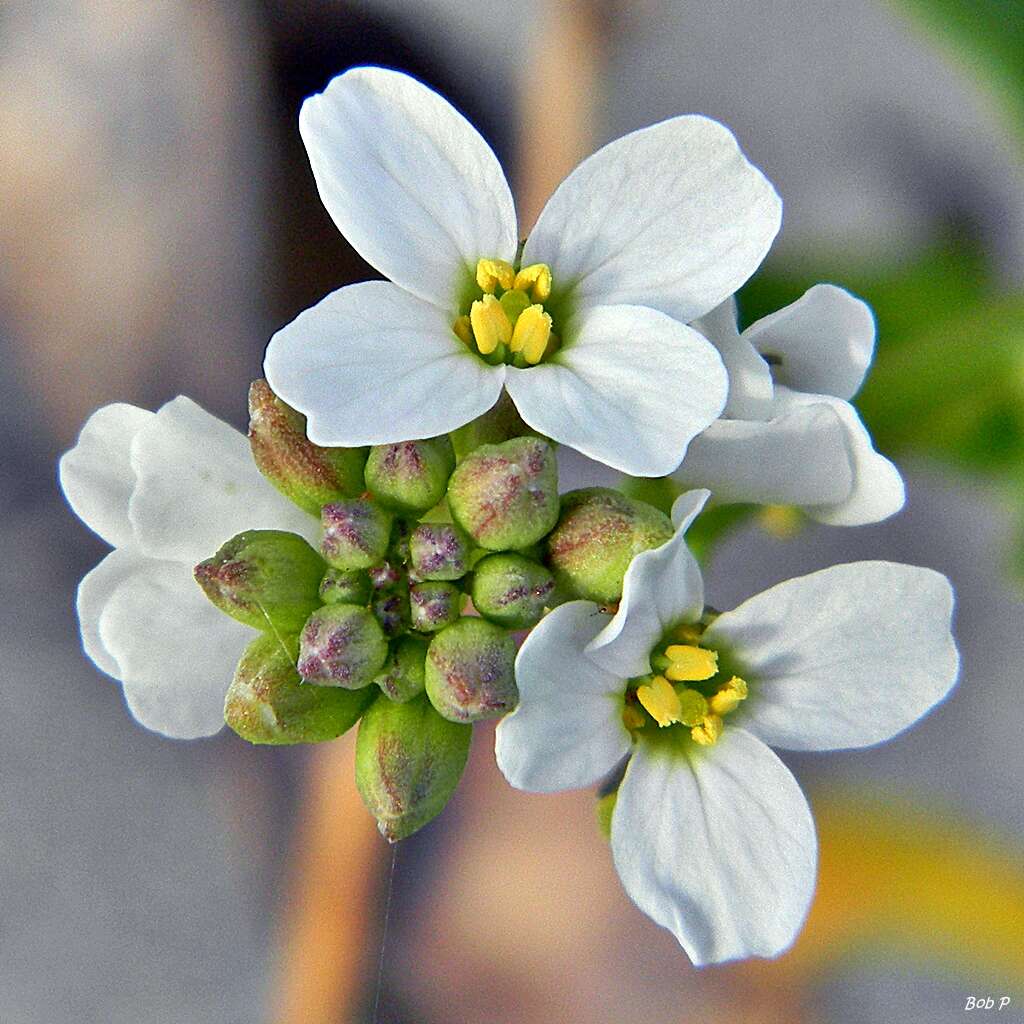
789	434
651	231
710	834
166	490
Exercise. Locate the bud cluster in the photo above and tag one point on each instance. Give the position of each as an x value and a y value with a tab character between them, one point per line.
404	614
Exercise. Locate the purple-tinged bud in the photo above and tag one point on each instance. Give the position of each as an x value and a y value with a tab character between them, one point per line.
341	645
408	762
410	476
267	579
512	590
391	608
346	586
439	551
599	533
505	496
267	702
432	606
471	671
385	576
402	676
356	534
309	475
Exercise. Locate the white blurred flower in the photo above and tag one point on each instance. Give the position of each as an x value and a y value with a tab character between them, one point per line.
711	834
789	435
584	327
165	490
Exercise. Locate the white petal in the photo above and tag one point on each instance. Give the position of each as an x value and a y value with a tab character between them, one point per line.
801	457
630	389
662	588
672	216
567	731
96	475
823	342
197	486
408	180
94	592
876	490
371	364
716	844
845	657
750	378
175	651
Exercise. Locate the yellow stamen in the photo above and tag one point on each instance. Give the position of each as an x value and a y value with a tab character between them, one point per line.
492	273
690	664
490	324
535	279
728	696
782	521
463	330
632	718
530	337
660	701
688	633
693	707
707	733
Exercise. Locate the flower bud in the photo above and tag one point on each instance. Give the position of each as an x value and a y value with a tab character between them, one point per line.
511	590
408	762
341	645
267	579
599	532
356	534
309	475
402	676
439	551
410	476
432	606
345	586
470	672
391	609
267	702
505	495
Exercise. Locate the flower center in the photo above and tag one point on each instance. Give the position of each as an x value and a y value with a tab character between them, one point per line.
666	698
508	323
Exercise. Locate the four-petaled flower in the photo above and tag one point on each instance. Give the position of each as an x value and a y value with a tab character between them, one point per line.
711	834
584	325
166	489
788	434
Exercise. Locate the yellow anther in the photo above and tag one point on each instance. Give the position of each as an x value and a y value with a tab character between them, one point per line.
535	279
463	330
782	521
632	718
490	324
492	273
690	664
660	701
707	733
693	707
728	696
533	328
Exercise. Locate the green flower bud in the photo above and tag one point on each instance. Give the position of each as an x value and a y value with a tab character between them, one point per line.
511	590
439	551
309	475
267	702
391	608
345	586
410	476
267	579
402	676
471	671
599	532
505	496
341	645
432	606
356	534
408	762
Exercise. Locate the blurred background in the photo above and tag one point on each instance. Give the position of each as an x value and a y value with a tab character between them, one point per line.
159	222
